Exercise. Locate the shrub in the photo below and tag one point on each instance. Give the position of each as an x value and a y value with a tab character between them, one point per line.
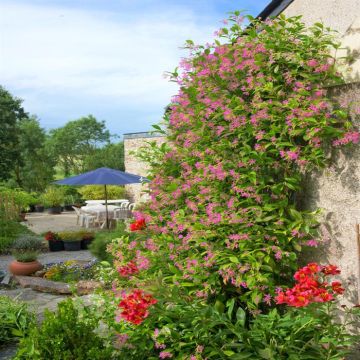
65	335
103	239
223	229
26	242
70	236
15	319
9	230
53	197
97	192
25	248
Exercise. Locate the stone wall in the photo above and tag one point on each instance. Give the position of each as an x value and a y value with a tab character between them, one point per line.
132	144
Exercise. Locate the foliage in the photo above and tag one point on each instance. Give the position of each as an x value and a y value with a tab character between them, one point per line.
13	201
11	114
66	335
71	271
192	329
110	155
25	256
103	239
34	169
76	141
70	236
97	192
15	319
53	196
223	230
9	231
25	248
27	242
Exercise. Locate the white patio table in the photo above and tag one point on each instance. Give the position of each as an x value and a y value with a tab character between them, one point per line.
99	202
100	212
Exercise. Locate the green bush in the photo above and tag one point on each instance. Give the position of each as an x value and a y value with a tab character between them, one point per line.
98	246
67	334
97	192
70	236
25	248
53	197
9	230
15	319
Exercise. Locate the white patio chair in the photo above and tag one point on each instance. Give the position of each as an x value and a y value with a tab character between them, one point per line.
80	216
120	213
89	220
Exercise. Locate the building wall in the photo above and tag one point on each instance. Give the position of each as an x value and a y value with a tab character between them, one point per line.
132	144
337	14
340	15
336	190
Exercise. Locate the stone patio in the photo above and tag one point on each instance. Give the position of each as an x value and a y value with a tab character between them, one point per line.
42	222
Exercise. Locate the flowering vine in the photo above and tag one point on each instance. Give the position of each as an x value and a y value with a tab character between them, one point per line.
251	117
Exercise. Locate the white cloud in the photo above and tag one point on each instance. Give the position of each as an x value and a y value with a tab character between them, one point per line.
95	55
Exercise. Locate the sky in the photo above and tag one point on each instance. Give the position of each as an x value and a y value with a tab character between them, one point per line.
70	58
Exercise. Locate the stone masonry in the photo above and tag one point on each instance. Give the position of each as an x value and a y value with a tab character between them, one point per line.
132	144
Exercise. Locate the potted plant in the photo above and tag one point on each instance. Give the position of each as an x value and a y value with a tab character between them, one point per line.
86	238
72	241
54	241
23	200
52	199
68	203
25	249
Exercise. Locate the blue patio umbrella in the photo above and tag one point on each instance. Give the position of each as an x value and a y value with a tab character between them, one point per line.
103	176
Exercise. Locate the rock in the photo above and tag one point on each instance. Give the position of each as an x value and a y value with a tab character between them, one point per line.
40	273
84	287
6	279
43	285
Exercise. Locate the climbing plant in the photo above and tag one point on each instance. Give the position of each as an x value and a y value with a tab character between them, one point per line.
222	232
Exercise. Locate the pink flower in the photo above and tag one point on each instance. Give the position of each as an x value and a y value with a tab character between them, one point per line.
165	355
312	63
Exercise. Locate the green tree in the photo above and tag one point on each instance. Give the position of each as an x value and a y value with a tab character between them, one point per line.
34	168
77	140
11	114
111	155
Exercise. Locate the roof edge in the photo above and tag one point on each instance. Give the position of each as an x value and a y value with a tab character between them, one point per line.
274	8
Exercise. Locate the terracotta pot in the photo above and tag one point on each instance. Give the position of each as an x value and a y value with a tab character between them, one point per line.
24	268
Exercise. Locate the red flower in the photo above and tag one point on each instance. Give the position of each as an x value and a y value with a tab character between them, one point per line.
336	287
311	286
51	236
129	269
138	225
135	306
331	270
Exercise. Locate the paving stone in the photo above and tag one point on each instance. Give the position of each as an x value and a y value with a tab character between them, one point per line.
43	285
84	287
6	280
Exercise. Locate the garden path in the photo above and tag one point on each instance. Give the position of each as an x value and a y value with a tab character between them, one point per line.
42	222
51	257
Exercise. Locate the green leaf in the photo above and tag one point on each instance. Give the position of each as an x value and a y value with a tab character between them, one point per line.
228	352
266	353
241	317
234	259
230	304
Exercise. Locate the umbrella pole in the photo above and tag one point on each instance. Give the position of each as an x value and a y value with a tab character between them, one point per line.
106	206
